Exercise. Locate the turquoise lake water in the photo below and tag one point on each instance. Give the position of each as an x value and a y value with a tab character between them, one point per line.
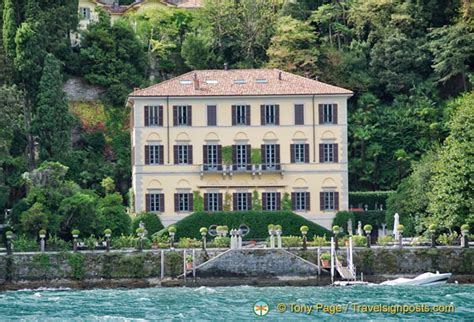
234	303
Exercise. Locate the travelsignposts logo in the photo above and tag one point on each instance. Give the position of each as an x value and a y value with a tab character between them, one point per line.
261	308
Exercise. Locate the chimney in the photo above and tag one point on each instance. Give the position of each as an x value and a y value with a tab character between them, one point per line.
279	75
317	77
226	66
195	81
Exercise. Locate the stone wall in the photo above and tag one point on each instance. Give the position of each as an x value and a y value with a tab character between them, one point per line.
77	90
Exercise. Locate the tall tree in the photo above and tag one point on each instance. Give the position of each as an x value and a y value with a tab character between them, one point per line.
9	28
52	123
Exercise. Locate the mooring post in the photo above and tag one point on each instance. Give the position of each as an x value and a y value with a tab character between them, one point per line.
194	265
162	264
319	260
351	262
184	264
332	259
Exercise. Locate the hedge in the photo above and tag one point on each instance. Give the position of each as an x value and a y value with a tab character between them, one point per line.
257	221
151	220
373	199
371	217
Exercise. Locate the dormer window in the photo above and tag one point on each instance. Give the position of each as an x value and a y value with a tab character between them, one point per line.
185	82
240	81
261	81
212	81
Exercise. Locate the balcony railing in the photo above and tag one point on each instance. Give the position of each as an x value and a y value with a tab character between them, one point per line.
231	169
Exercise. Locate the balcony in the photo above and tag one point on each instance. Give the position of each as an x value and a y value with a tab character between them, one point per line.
231	169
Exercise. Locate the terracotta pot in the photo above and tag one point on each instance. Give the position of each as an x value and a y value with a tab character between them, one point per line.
347	243
189	265
325	263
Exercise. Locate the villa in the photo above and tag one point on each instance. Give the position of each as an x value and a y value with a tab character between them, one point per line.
235	134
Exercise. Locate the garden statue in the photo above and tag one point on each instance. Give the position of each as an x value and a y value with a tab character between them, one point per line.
107	234
9	236
349	227
271	232
203	232
278	231
75	235
396	222
384	229
304	232
465	236
239	239
359	229
42	235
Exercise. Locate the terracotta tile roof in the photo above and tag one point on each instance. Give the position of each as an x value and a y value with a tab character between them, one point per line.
237	82
189	4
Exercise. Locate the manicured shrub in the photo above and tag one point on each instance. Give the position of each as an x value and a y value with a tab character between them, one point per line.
359	241
220	242
257	221
24	244
385	240
373	199
189	243
151	220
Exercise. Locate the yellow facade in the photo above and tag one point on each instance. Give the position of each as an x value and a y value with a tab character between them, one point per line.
313	177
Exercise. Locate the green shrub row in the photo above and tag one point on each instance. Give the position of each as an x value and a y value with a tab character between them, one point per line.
372	217
257	221
373	199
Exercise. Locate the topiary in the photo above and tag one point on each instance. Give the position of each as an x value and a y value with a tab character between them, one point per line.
75	232
172	229
203	230
432	228
108	231
400	228
42	232
278	228
336	229
368	228
465	227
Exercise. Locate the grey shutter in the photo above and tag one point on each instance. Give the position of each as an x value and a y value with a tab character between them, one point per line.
308	202
262	114
219	202
147	202
147	121
336	200
249	201
248	147
234	157
234	201
205	160
277	114
162	203
277	156
321	201
175	115
190	202
147	154
234	115
190	154
278	201
211	115
321	153
264	201
247	115
160	155
321	114
293	153
334	113
264	157
175	154
160	115
206	200
336	152
306	153
189	121
293	200
176	202
299	114
219	157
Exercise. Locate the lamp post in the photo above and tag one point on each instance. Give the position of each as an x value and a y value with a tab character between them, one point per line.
465	236
75	235
336	229
107	234
42	236
271	232
203	232
172	231
278	231
368	231
432	229
9	236
304	232
400	229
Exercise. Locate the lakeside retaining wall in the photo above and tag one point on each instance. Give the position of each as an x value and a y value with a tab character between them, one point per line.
142	265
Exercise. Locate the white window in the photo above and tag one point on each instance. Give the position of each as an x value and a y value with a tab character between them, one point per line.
329	200
183	201
212	157
327	113
153	115
271	202
241	115
155	202
270	155
299	153
154	151
85	13
299	202
183	157
242	201
182	117
328	152
241	156
213	202
270	114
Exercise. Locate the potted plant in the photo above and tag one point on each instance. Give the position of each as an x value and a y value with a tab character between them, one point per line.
368	229
432	228
400	228
325	258
465	229
304	232
172	232
42	233
189	262
336	230
75	233
108	233
222	230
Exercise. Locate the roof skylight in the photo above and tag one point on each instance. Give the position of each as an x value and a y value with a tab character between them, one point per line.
212	81
261	81
240	81
185	82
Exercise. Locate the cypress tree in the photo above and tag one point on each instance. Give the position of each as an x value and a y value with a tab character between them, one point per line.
52	122
9	28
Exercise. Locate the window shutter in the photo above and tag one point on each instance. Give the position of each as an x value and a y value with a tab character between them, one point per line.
211	115
205	160
334	113
249	201
234	201
299	114
206	200
247	115
264	157
293	200
175	115
293	153
234	157
190	154
308	202
321	114
249	157
147	154
162	202
277	156
160	115
262	114
278	201
264	201
234	115
189	121
321	153
277	114
176	202
175	154
147	202
219	157
336	152
321	201
306	153
190	202
219	202
336	200
160	154
147	121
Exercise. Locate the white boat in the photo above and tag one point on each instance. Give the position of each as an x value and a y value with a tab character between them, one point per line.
423	279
